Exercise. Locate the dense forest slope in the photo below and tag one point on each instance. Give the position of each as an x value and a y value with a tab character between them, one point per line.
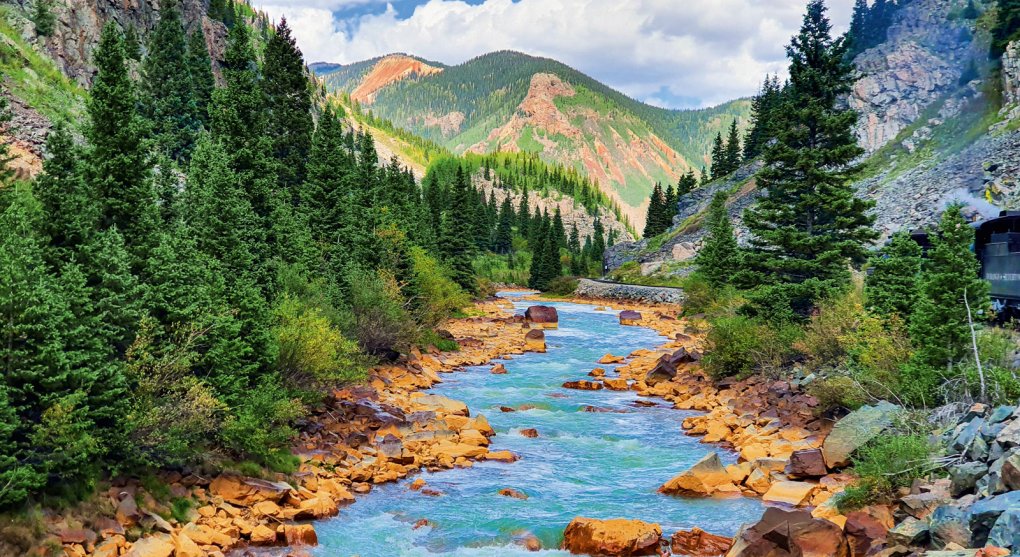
938	121
508	101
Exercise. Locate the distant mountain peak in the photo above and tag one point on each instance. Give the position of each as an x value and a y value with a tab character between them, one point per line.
390	69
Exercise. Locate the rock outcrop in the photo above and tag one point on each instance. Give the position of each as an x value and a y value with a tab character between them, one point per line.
593	289
612	538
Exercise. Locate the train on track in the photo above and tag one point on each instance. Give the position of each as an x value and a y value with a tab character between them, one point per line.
997	247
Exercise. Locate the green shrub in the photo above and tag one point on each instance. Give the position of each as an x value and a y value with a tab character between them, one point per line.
838	391
379	320
313	353
740	345
180	508
260	426
432	338
435	295
700	297
886	464
561	286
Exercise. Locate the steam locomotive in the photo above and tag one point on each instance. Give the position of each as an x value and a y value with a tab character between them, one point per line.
997	247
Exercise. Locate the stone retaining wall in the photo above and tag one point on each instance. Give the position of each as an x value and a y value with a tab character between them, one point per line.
594	289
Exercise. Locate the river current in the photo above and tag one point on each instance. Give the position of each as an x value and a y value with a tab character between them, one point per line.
593	464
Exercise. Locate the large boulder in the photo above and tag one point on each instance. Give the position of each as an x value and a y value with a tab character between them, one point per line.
663	371
864	531
983	515
629	317
855	430
534	341
617	537
441	404
543	316
782	533
806	463
699	543
705	478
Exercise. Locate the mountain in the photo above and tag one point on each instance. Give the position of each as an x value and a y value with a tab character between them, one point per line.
509	101
938	120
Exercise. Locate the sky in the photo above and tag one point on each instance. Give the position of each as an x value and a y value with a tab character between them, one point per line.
669	53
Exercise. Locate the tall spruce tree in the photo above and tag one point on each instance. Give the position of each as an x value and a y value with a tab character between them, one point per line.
69	204
203	81
892	285
950	281
6	172
1006	27
118	168
733	150
656	206
167	86
810	225
457	232
719	258
718	157
503	241
289	101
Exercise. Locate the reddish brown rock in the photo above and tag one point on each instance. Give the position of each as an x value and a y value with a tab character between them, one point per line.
629	317
864	531
782	533
807	463
529	432
543	316
614	538
498	369
513	493
699	543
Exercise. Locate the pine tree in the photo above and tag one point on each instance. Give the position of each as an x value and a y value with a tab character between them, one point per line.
733	150
456	233
719	258
132	44
203	81
939	325
763	108
892	285
67	201
524	214
598	242
289	101
34	319
1006	27
167	90
19	479
857	35
656	206
42	17
216	10
718	157
688	183
810	225
559	232
503	241
971	11
117	162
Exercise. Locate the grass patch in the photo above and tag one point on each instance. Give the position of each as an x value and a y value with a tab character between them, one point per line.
33	77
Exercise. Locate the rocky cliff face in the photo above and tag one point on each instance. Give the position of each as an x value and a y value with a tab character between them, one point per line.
928	48
80	22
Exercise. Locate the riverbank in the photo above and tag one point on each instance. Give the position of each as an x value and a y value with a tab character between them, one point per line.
390	428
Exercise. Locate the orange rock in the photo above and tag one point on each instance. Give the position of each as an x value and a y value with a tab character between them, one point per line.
611	359
529	432
186	547
512	493
263	535
534	341
159	545
704	478
616	384
248	491
417	484
583	385
473	437
498	369
501	456
300	534
790	493
615	537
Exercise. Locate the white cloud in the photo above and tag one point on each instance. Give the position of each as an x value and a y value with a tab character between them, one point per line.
712	50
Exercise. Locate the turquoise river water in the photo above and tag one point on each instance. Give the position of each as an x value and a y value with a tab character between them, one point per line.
598	465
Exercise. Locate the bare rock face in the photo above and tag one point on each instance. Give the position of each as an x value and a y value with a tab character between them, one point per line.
614	538
922	60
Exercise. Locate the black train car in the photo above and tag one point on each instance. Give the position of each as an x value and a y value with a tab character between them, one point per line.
997	246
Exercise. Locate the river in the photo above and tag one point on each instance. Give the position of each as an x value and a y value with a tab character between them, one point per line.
593	464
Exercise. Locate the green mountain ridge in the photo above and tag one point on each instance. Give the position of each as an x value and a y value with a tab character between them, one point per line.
494	103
